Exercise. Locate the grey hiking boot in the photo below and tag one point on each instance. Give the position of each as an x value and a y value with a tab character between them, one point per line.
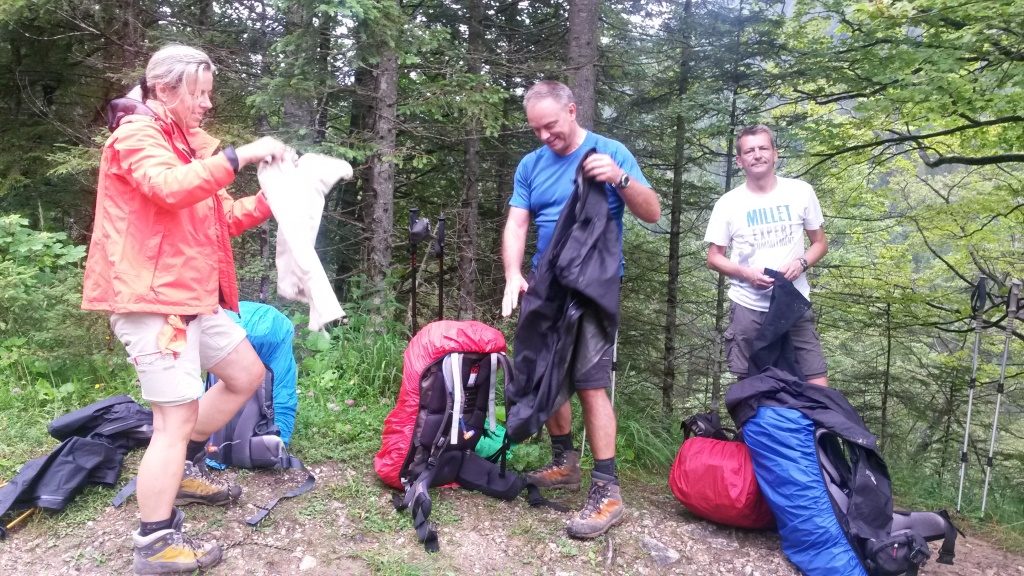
198	486
563	472
170	552
603	509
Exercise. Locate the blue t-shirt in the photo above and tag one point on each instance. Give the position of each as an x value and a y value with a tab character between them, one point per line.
544	182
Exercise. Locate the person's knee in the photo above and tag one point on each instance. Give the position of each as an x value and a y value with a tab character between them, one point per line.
174	424
593	397
252	377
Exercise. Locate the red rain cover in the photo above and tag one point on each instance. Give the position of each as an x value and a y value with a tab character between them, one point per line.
433	342
715	480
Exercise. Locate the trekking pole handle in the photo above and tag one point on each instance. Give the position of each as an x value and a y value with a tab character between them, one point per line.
1011	303
979	297
414	213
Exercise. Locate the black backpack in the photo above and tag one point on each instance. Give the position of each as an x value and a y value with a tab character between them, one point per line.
707	425
456	407
777	410
888	542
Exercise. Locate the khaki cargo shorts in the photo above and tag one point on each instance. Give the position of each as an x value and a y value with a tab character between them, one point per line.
169	379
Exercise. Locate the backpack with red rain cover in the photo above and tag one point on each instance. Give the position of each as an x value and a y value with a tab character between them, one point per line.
713	476
445	405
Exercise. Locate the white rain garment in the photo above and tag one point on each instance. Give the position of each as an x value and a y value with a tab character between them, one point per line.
296	193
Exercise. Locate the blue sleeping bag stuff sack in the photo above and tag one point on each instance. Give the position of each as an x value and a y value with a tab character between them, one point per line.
782	448
819	468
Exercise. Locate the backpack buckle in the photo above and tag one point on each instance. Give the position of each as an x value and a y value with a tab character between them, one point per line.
919	555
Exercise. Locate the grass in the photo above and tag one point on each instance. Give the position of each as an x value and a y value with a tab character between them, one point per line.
369	508
349	383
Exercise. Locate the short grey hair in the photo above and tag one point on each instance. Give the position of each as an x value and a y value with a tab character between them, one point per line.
552	89
753	130
175	66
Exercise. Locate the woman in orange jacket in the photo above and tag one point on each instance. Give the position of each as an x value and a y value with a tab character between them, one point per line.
160	263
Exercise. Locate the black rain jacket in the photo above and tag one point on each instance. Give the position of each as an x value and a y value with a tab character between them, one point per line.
95	440
772	345
570	314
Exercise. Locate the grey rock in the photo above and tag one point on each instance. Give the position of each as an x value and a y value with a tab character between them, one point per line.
660	553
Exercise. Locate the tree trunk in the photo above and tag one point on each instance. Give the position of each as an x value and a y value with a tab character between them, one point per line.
380	178
583	16
297	108
672	298
469	216
324	49
132	34
348	208
720	301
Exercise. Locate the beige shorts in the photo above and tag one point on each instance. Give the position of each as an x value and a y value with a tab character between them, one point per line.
170	379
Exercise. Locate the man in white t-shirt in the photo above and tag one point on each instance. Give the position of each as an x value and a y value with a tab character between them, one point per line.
764	221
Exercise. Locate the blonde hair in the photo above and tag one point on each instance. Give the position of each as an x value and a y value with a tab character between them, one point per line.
176	67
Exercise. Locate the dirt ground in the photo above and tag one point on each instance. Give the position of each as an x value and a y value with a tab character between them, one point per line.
347	525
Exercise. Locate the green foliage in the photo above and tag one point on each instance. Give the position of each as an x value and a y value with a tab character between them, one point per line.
347	385
42	330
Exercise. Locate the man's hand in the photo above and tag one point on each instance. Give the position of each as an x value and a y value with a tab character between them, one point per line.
757	278
792	271
513	286
602	168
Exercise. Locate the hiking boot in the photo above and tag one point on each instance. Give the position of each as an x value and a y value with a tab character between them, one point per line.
198	486
603	510
563	472
170	552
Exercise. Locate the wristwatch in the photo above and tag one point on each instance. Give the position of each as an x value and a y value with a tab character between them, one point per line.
803	262
623	181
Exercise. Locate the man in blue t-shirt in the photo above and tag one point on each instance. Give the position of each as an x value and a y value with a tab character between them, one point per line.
543	184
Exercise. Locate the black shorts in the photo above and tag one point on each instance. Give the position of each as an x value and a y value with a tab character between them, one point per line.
599	375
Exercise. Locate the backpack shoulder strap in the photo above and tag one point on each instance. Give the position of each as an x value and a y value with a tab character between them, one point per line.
290	463
453	380
498	359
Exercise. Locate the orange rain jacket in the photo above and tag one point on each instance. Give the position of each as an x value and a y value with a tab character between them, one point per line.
160	242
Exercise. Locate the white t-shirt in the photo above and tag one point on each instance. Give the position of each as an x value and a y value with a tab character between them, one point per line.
764	231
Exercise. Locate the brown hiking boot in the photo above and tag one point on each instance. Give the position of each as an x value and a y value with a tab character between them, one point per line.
603	510
170	552
198	486
562	473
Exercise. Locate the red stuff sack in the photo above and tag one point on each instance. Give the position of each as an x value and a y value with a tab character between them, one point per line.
714	478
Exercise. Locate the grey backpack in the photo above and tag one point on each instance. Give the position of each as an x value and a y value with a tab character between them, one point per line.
252	440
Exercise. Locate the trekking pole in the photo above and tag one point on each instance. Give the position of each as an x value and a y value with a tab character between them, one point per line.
439	252
978	301
1011	314
615	368
419	230
413	213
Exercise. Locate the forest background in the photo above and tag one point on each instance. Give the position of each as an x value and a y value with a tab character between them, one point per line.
906	116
